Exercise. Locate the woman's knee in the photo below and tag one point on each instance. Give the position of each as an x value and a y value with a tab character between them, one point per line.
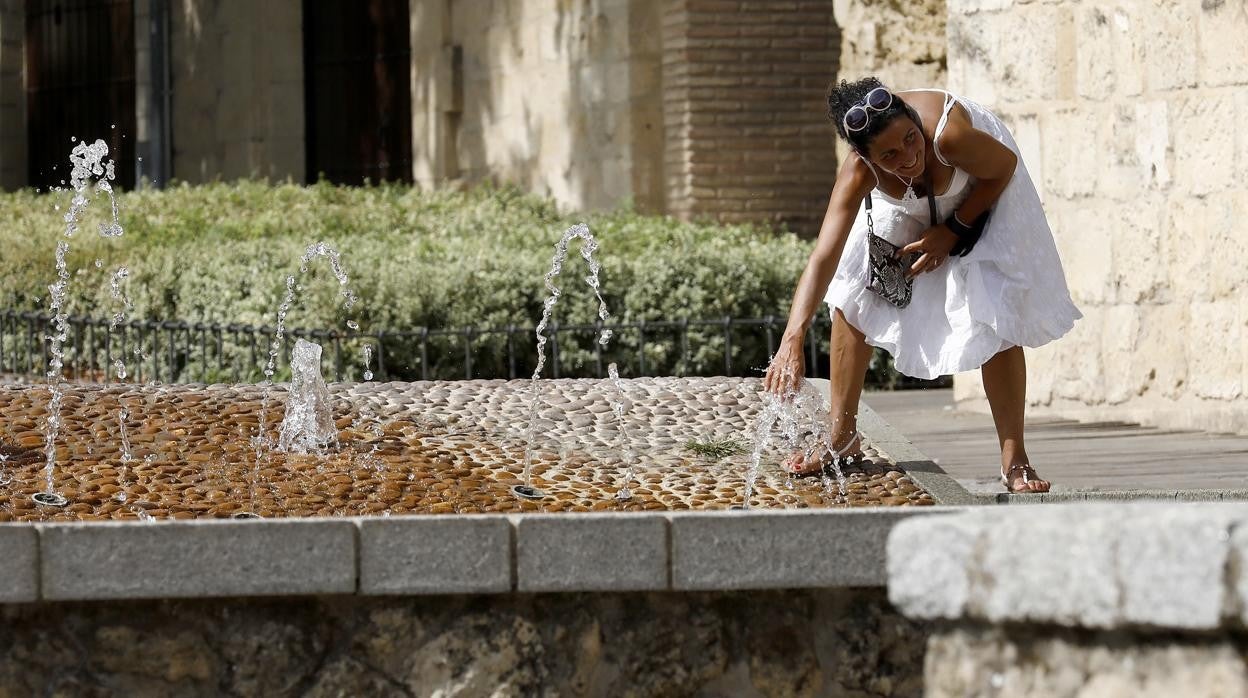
842	330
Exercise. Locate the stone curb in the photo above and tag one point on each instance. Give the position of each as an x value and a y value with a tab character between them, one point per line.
19	573
1067	496
891	443
479	554
1099	565
435	554
591	552
783	549
108	560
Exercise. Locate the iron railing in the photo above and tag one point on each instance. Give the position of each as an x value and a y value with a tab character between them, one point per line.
175	351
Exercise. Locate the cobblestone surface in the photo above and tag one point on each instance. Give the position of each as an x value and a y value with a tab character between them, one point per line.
425	447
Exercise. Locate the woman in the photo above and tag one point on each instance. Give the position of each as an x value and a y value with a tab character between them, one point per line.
968	310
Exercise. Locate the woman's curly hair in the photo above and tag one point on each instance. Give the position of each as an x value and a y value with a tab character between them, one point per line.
843	96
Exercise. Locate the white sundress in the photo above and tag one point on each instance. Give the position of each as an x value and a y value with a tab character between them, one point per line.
1009	290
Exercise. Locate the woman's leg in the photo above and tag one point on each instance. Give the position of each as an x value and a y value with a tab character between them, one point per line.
1005	383
849	357
850	354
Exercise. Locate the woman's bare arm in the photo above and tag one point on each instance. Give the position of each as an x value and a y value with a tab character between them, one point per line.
989	161
985	158
852	184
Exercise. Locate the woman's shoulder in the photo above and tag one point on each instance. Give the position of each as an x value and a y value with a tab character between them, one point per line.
930	103
855	177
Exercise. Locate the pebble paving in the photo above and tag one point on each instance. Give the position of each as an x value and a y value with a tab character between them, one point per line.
403	448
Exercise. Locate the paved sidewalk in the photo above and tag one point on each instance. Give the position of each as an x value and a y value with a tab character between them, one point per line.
1073	455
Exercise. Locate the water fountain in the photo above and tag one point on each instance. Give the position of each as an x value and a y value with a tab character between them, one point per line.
308	426
802	419
86	161
310	403
588	246
398	448
150	453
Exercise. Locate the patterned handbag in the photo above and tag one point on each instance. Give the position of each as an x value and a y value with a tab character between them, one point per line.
888	272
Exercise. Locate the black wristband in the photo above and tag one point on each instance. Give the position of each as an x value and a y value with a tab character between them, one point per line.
958	228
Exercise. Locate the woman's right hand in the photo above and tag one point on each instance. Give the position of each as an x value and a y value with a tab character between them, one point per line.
787	368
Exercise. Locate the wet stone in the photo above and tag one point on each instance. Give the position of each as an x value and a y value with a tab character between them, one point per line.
435	448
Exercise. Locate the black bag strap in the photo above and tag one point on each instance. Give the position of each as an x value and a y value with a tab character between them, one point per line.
870	223
931	200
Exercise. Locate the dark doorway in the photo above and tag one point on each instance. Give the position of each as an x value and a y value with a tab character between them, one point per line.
357	64
79	84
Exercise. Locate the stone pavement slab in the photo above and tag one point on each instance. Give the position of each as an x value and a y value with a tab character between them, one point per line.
106	560
591	552
435	554
19	572
783	549
1109	456
927	474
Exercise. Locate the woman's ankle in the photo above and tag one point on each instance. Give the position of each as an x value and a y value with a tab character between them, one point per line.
846	442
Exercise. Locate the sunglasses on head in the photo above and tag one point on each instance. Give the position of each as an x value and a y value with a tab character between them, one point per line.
859	115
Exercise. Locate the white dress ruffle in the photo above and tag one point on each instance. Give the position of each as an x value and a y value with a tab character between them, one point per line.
1010	290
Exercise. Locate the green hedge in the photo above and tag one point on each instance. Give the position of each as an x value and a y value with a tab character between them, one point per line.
220	253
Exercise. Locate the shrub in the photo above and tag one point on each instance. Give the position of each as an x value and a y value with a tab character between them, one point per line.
419	262
220	253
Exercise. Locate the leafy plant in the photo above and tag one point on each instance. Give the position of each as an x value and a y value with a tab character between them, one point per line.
422	263
717	449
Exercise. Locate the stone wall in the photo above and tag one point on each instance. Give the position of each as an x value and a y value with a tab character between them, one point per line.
1010	662
12	94
1105	599
237	75
558	96
146	95
1129	115
748	138
902	42
697	108
799	643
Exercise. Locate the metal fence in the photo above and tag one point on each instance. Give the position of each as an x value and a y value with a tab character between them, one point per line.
173	351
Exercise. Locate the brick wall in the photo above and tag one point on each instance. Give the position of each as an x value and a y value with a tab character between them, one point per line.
747	136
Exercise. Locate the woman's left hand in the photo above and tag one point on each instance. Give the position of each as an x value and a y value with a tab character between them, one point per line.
933	245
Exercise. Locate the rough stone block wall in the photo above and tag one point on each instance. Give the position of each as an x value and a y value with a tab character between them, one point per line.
13	152
1130	119
748	138
795	643
434	103
238	93
557	97
1074	613
902	42
1013	662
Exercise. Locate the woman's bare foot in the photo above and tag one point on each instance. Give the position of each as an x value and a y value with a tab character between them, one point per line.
1021	478
850	451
